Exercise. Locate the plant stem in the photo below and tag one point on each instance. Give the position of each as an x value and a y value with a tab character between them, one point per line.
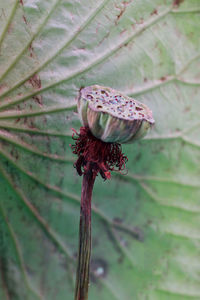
83	268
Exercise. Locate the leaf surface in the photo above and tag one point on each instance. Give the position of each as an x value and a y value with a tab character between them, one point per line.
146	236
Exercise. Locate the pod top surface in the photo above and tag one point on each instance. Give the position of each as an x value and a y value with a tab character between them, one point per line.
105	99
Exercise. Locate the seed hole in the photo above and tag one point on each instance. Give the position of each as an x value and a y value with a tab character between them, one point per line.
99	106
90	97
138	108
104	93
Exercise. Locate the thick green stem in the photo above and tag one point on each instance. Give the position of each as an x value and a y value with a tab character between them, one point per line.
83	268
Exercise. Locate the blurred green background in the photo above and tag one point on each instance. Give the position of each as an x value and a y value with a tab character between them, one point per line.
146	238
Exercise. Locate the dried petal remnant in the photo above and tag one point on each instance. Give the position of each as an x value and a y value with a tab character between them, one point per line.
105	157
111	116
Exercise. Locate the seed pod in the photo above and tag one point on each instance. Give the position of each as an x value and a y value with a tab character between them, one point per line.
111	116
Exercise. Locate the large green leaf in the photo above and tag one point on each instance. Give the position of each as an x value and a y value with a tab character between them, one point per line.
146	239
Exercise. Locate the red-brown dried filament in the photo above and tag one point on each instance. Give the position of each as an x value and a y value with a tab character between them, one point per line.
105	157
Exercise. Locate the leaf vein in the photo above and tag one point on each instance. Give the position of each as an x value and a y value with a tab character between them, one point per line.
96	62
66	44
9	20
4	135
54	237
18	250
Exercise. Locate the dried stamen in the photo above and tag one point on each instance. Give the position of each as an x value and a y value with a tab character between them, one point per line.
105	157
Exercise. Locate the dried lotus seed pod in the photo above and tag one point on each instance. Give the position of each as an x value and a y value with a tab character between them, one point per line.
111	116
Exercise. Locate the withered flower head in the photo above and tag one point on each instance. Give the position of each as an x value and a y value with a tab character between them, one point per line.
109	119
112	116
